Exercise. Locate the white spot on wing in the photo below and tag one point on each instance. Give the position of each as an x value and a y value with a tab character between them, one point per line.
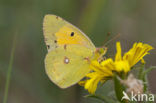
66	60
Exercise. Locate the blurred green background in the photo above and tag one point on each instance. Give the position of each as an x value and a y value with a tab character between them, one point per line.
135	20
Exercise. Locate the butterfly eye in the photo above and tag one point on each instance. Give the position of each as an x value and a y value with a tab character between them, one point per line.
72	34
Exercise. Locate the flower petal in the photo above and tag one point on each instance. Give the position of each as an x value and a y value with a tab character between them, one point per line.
118	54
137	53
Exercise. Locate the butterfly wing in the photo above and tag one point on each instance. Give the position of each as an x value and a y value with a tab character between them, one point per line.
68	49
58	32
67	66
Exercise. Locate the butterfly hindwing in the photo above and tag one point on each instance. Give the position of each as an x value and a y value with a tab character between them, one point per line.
67	66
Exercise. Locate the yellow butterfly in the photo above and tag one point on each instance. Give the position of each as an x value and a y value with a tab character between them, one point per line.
69	51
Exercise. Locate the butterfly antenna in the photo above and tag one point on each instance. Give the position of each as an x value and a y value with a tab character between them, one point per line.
107	37
115	37
104	46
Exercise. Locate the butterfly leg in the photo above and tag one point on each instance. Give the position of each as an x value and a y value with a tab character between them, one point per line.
100	52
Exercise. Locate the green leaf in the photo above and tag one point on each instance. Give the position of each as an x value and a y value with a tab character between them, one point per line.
148	70
90	15
143	77
105	99
9	70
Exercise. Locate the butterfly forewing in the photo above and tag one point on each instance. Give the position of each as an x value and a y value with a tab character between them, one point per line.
58	32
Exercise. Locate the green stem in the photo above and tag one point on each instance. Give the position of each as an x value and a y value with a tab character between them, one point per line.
118	89
9	71
141	71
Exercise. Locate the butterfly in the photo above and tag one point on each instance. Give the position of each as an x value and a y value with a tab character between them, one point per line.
69	51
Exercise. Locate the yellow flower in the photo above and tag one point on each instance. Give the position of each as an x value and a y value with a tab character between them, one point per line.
137	53
134	55
120	64
105	70
101	72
